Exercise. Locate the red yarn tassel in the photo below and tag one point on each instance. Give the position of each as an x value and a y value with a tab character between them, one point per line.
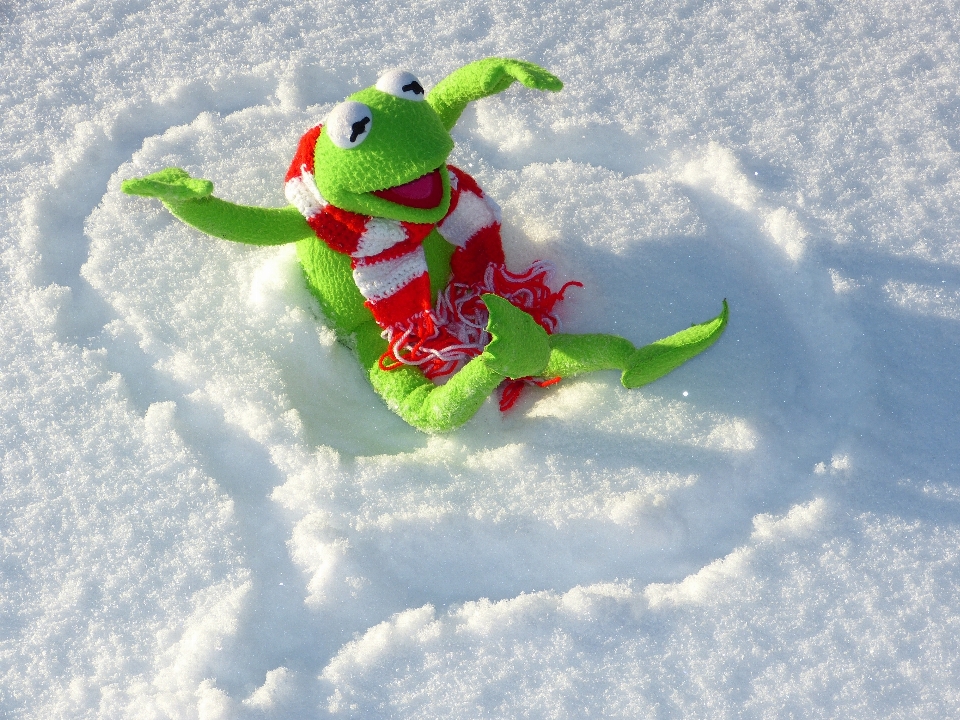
511	390
441	341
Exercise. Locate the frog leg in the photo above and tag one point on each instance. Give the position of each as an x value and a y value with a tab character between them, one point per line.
518	348
521	348
190	200
428	407
577	354
572	355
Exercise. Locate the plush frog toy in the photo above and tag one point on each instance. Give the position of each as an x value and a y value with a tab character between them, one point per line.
403	253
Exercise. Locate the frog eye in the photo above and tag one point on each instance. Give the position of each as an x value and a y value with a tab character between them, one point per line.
401	84
348	124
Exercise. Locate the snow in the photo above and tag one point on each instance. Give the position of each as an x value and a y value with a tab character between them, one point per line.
206	512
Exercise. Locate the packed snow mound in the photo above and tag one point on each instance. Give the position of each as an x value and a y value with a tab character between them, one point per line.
855	629
207	512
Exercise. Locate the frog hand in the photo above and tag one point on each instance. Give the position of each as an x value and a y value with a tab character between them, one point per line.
171	185
657	359
519	346
482	78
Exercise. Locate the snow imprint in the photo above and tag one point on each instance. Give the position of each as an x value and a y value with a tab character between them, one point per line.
207	512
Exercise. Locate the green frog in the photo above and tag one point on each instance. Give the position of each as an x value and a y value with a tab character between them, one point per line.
390	237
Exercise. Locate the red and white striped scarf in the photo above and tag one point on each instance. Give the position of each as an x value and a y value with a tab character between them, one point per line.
390	270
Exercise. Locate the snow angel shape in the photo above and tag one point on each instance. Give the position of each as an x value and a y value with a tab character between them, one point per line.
403	253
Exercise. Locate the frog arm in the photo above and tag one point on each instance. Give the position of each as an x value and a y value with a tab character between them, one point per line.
190	200
242	223
482	78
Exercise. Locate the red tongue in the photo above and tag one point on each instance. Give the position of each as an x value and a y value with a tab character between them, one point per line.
425	192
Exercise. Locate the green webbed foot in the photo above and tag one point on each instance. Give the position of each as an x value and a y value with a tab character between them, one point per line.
171	185
657	359
519	347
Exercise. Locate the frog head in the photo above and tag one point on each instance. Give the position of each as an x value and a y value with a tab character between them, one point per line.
382	152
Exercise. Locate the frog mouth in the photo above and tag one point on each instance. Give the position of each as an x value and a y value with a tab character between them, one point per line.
424	193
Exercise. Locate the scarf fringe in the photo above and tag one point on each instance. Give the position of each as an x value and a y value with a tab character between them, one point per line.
441	341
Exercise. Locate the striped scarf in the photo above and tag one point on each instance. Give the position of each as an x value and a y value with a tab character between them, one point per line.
390	270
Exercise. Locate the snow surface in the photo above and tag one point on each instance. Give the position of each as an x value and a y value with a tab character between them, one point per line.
207	512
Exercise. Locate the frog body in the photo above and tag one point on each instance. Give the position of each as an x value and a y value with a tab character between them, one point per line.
384	227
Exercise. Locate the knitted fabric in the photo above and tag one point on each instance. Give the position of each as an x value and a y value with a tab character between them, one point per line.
390	270
387	258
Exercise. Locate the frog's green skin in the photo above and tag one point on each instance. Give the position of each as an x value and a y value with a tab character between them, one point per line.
406	140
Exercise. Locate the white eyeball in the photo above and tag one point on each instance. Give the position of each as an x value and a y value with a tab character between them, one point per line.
348	124
401	84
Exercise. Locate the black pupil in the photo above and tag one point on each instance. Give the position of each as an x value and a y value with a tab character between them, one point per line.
359	128
413	85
